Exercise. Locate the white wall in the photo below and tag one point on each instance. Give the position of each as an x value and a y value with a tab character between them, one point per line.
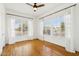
76	32
2	27
35	28
56	40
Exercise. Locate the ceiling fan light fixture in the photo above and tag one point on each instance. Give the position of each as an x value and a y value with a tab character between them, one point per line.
35	6
35	9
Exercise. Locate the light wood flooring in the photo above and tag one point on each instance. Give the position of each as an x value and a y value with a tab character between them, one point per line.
35	48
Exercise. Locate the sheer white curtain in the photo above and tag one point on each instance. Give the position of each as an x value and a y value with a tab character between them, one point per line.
30	28
10	29
69	29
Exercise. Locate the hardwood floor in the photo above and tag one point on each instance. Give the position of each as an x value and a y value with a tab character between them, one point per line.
35	48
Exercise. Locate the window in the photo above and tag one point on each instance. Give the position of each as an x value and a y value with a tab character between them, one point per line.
21	27
54	27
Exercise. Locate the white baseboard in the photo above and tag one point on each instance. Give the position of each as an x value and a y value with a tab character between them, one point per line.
68	50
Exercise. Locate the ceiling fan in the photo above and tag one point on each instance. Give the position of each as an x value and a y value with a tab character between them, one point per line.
35	6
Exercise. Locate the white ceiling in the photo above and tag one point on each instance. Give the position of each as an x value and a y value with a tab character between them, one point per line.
24	8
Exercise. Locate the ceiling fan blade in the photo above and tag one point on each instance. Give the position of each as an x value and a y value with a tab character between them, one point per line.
41	5
29	4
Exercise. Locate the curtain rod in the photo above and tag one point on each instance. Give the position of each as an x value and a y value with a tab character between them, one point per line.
19	15
58	11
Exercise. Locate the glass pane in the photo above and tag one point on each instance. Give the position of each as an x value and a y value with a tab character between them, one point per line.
18	28
25	27
46	31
